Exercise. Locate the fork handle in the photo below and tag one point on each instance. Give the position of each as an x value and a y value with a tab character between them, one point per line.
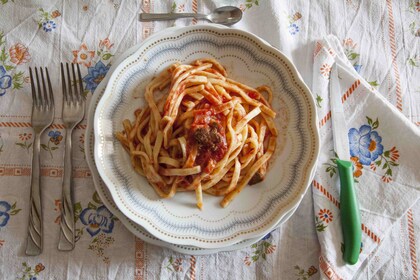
34	238
66	241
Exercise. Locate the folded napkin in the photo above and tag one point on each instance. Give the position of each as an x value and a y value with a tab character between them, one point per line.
385	150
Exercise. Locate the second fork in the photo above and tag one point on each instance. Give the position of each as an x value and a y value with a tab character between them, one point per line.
73	113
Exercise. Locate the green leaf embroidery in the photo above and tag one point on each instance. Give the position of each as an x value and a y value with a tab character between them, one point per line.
385	165
45	147
369	120
173	8
92	206
353	56
14	212
375	125
374	83
21	145
96	198
106	56
8	67
53	148
386	154
378	162
393	163
318	100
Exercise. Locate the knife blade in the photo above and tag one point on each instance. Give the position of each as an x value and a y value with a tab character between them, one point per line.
349	207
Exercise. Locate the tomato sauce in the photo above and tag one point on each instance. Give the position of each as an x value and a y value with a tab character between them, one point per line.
208	135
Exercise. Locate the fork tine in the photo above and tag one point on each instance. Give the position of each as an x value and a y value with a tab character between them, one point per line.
51	99
34	100
63	84
80	81
44	89
76	92
38	94
70	92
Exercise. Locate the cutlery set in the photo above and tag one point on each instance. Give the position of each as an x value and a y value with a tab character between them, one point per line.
42	117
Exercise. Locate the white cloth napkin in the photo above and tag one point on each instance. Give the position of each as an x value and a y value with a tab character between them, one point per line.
385	150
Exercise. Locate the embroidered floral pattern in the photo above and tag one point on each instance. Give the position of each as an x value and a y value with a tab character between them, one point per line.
83	56
366	145
29	273
305	275
353	57
325	70
10	78
177	8
95	75
25	137
46	20
55	140
94	61
250	3
262	249
174	264
293	23
98	222
7	210
366	149
324	217
414	61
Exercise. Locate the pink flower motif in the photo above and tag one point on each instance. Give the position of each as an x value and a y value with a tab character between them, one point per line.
325	70
386	179
105	43
247	261
373	166
83	56
177	265
348	43
19	54
270	249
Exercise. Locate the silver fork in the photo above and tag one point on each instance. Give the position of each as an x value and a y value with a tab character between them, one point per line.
42	117
73	112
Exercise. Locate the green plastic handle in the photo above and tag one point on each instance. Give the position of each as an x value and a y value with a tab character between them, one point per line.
350	214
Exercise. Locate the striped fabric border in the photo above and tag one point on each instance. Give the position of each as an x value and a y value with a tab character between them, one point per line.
193	267
195	10
412	242
16	171
393	46
139	270
346	95
28	124
327	269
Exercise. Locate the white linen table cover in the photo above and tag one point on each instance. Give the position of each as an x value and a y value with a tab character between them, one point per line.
380	42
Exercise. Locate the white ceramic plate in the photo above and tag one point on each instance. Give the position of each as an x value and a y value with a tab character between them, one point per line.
259	208
106	196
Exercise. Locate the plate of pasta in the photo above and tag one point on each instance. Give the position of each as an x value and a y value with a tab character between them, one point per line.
206	136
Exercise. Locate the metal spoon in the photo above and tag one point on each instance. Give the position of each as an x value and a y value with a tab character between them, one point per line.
226	15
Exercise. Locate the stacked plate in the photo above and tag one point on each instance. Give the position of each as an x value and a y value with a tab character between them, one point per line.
176	223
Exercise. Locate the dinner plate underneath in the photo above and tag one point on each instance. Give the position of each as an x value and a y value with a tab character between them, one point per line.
106	197
258	209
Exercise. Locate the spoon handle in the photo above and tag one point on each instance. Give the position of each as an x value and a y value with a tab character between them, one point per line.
169	16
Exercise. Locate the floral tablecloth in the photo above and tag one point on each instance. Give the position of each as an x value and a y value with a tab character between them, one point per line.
380	38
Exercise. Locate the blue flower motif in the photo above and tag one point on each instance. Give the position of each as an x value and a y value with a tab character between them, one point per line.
5	81
365	144
4	216
97	220
33	278
267	236
293	29
95	75
49	25
357	67
55	136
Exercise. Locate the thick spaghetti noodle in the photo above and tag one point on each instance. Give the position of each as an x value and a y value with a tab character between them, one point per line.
208	133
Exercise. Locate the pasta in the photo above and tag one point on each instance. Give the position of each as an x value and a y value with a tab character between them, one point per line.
207	133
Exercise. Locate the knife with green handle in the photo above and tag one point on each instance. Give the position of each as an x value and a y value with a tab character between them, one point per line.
349	207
